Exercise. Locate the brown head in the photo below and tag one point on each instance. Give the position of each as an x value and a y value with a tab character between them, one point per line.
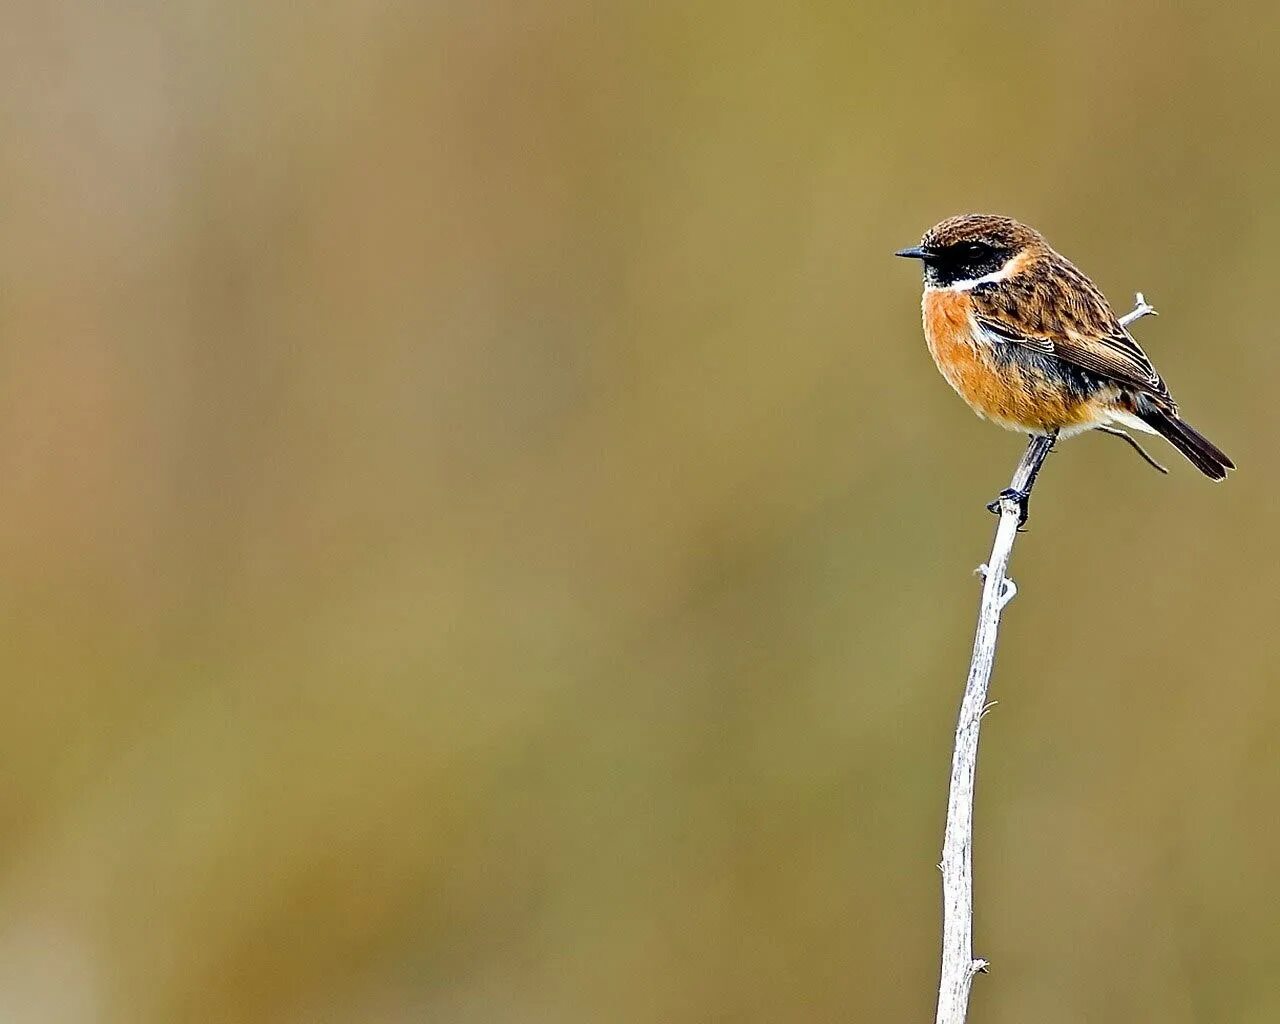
974	246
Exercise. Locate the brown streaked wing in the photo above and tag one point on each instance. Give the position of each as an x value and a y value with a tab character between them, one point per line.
1065	315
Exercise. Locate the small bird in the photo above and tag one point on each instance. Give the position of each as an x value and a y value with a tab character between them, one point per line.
1031	344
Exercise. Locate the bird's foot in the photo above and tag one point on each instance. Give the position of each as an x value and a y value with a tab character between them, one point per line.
1022	499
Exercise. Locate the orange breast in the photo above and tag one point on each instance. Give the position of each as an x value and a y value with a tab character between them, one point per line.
1019	397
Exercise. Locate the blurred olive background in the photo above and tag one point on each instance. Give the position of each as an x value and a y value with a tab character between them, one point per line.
483	540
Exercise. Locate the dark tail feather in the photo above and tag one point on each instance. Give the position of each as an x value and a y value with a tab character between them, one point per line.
1203	453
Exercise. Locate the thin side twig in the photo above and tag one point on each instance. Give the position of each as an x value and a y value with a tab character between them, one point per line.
1133	443
958	962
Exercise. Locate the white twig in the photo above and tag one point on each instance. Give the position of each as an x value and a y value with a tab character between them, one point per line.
958	962
1140	309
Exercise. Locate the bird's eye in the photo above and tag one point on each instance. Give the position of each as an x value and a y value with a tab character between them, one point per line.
977	250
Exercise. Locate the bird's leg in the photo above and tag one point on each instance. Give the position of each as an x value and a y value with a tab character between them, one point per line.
1038	447
1020	498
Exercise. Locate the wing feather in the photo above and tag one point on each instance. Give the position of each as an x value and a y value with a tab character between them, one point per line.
1062	313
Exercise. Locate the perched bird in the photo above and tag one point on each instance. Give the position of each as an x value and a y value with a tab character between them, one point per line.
1031	344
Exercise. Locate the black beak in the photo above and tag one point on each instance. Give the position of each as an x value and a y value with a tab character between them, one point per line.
916	252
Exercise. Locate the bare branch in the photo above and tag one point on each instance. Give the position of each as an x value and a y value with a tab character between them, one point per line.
1133	443
958	962
1140	309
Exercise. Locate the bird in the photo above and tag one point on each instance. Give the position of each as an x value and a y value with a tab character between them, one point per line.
1031	343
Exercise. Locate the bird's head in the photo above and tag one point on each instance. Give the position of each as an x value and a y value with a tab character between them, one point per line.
975	248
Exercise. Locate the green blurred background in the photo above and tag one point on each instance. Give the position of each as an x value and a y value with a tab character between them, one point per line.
484	541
